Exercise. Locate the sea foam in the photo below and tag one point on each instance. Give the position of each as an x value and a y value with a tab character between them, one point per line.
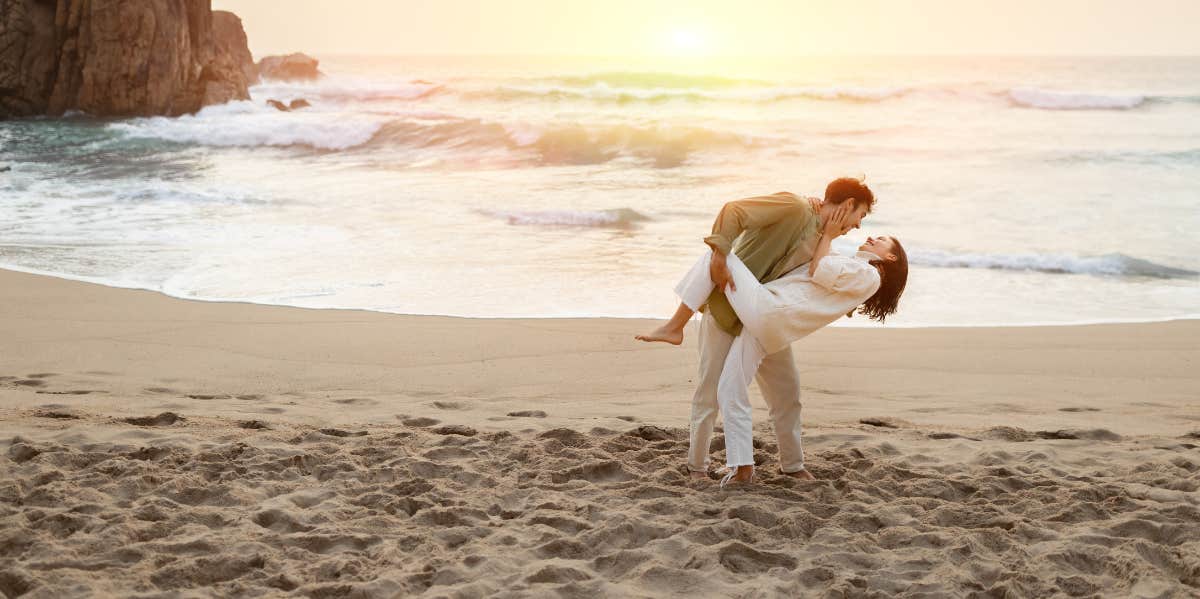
250	124
1032	97
619	217
1106	265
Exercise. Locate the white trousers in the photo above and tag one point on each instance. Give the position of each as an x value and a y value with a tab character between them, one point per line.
728	364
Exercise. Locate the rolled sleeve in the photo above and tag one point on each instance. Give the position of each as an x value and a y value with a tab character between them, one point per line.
754	213
720	243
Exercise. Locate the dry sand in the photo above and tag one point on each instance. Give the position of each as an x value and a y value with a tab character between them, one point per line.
157	447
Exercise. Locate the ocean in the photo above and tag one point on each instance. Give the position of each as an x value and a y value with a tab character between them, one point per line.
1026	190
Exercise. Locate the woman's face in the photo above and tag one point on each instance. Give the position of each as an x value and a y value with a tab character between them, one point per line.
883	246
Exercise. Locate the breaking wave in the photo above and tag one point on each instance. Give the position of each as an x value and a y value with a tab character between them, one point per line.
603	92
250	124
620	217
664	146
1106	265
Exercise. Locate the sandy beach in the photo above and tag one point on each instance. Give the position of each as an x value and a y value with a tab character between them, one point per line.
160	447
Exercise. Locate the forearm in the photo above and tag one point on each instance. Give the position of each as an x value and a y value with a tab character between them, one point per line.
824	246
751	213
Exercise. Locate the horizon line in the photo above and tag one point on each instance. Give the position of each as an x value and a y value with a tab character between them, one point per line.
698	58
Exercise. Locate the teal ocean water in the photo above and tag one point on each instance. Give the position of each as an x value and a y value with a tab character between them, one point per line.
1027	190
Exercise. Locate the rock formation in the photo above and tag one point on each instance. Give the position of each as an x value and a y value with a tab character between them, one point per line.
290	67
110	58
295	104
229	41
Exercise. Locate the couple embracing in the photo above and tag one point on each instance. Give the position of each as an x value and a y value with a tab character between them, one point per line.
770	278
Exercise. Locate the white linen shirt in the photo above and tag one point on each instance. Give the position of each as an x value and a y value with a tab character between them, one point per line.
796	304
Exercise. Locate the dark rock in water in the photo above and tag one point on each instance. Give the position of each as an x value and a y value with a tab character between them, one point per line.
290	67
276	104
299	103
4	168
129	58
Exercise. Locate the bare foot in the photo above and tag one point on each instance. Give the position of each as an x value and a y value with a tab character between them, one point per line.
695	475
664	334
744	474
801	474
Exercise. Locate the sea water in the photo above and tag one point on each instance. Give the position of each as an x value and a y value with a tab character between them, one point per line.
1025	190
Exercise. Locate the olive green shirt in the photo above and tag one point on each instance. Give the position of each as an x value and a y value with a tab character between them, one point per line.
772	235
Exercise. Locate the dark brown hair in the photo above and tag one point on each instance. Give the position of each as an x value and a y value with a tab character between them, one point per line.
848	188
893	275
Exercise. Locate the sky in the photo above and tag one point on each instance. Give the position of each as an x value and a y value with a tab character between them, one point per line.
778	28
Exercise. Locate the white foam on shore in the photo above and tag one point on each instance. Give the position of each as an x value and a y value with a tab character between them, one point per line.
1106	265
569	218
246	123
1032	97
849	323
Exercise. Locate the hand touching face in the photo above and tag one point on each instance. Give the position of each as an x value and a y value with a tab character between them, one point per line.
848	215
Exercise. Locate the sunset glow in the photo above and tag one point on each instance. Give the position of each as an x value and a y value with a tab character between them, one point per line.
765	28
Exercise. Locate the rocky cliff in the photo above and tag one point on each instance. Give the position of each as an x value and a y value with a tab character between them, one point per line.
118	57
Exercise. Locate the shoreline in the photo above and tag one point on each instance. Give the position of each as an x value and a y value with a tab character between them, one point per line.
841	323
160	352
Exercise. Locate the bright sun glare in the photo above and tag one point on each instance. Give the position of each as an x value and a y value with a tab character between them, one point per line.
686	41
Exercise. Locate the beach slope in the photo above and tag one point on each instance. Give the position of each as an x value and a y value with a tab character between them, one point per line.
151	444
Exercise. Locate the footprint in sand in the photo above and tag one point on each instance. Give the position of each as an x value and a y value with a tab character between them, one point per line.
420	421
250	397
41	375
356	401
450	405
164	419
337	432
72	392
206	397
528	414
57	415
30	382
1077	409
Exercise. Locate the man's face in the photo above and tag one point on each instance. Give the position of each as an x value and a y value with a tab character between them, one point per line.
854	221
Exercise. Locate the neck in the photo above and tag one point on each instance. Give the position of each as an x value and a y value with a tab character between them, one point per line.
827	210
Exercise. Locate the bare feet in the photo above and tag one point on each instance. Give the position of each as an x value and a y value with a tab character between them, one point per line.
664	334
696	475
801	474
744	474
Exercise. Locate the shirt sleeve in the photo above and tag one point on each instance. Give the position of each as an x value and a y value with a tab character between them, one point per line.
842	274
753	213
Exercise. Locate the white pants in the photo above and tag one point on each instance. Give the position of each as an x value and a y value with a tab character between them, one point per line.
728	364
